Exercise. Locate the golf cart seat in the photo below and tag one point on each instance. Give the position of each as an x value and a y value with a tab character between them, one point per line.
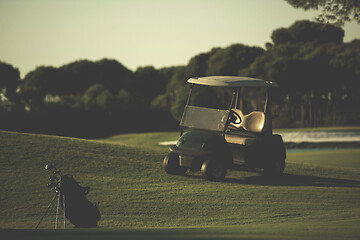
247	127
253	122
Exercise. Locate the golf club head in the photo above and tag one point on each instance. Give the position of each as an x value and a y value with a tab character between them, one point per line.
53	179
51	185
49	166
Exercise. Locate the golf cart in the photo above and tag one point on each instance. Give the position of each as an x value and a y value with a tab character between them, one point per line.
214	140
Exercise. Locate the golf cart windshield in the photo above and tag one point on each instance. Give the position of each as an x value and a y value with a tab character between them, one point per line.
204	118
208	108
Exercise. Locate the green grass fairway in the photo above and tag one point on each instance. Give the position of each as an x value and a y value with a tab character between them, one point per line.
147	140
336	158
317	198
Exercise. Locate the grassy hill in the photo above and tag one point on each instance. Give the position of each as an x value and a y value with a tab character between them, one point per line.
318	197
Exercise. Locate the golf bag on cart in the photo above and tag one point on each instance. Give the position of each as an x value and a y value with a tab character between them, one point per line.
72	199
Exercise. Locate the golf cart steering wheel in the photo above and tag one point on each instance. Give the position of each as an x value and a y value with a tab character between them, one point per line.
235	117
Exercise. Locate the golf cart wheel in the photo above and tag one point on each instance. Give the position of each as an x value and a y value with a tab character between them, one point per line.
172	166
275	169
213	170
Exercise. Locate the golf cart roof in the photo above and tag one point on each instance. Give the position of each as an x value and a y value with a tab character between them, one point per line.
231	81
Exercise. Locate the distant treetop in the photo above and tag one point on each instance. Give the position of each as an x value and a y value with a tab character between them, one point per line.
306	31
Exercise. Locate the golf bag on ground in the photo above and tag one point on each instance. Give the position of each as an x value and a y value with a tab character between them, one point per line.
72	199
78	209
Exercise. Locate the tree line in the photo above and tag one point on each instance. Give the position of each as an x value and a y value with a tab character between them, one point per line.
317	72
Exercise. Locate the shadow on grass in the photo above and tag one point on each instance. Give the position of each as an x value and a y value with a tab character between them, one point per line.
295	180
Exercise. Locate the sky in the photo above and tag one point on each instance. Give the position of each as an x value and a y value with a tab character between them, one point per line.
161	33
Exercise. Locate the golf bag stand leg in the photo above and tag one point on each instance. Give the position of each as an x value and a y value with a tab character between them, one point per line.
58	205
64	211
57	209
46	211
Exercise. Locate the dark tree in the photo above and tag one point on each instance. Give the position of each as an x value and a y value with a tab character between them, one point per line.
198	65
332	11
147	84
46	79
98	98
39	83
229	60
9	80
306	31
113	75
80	75
176	80
281	36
